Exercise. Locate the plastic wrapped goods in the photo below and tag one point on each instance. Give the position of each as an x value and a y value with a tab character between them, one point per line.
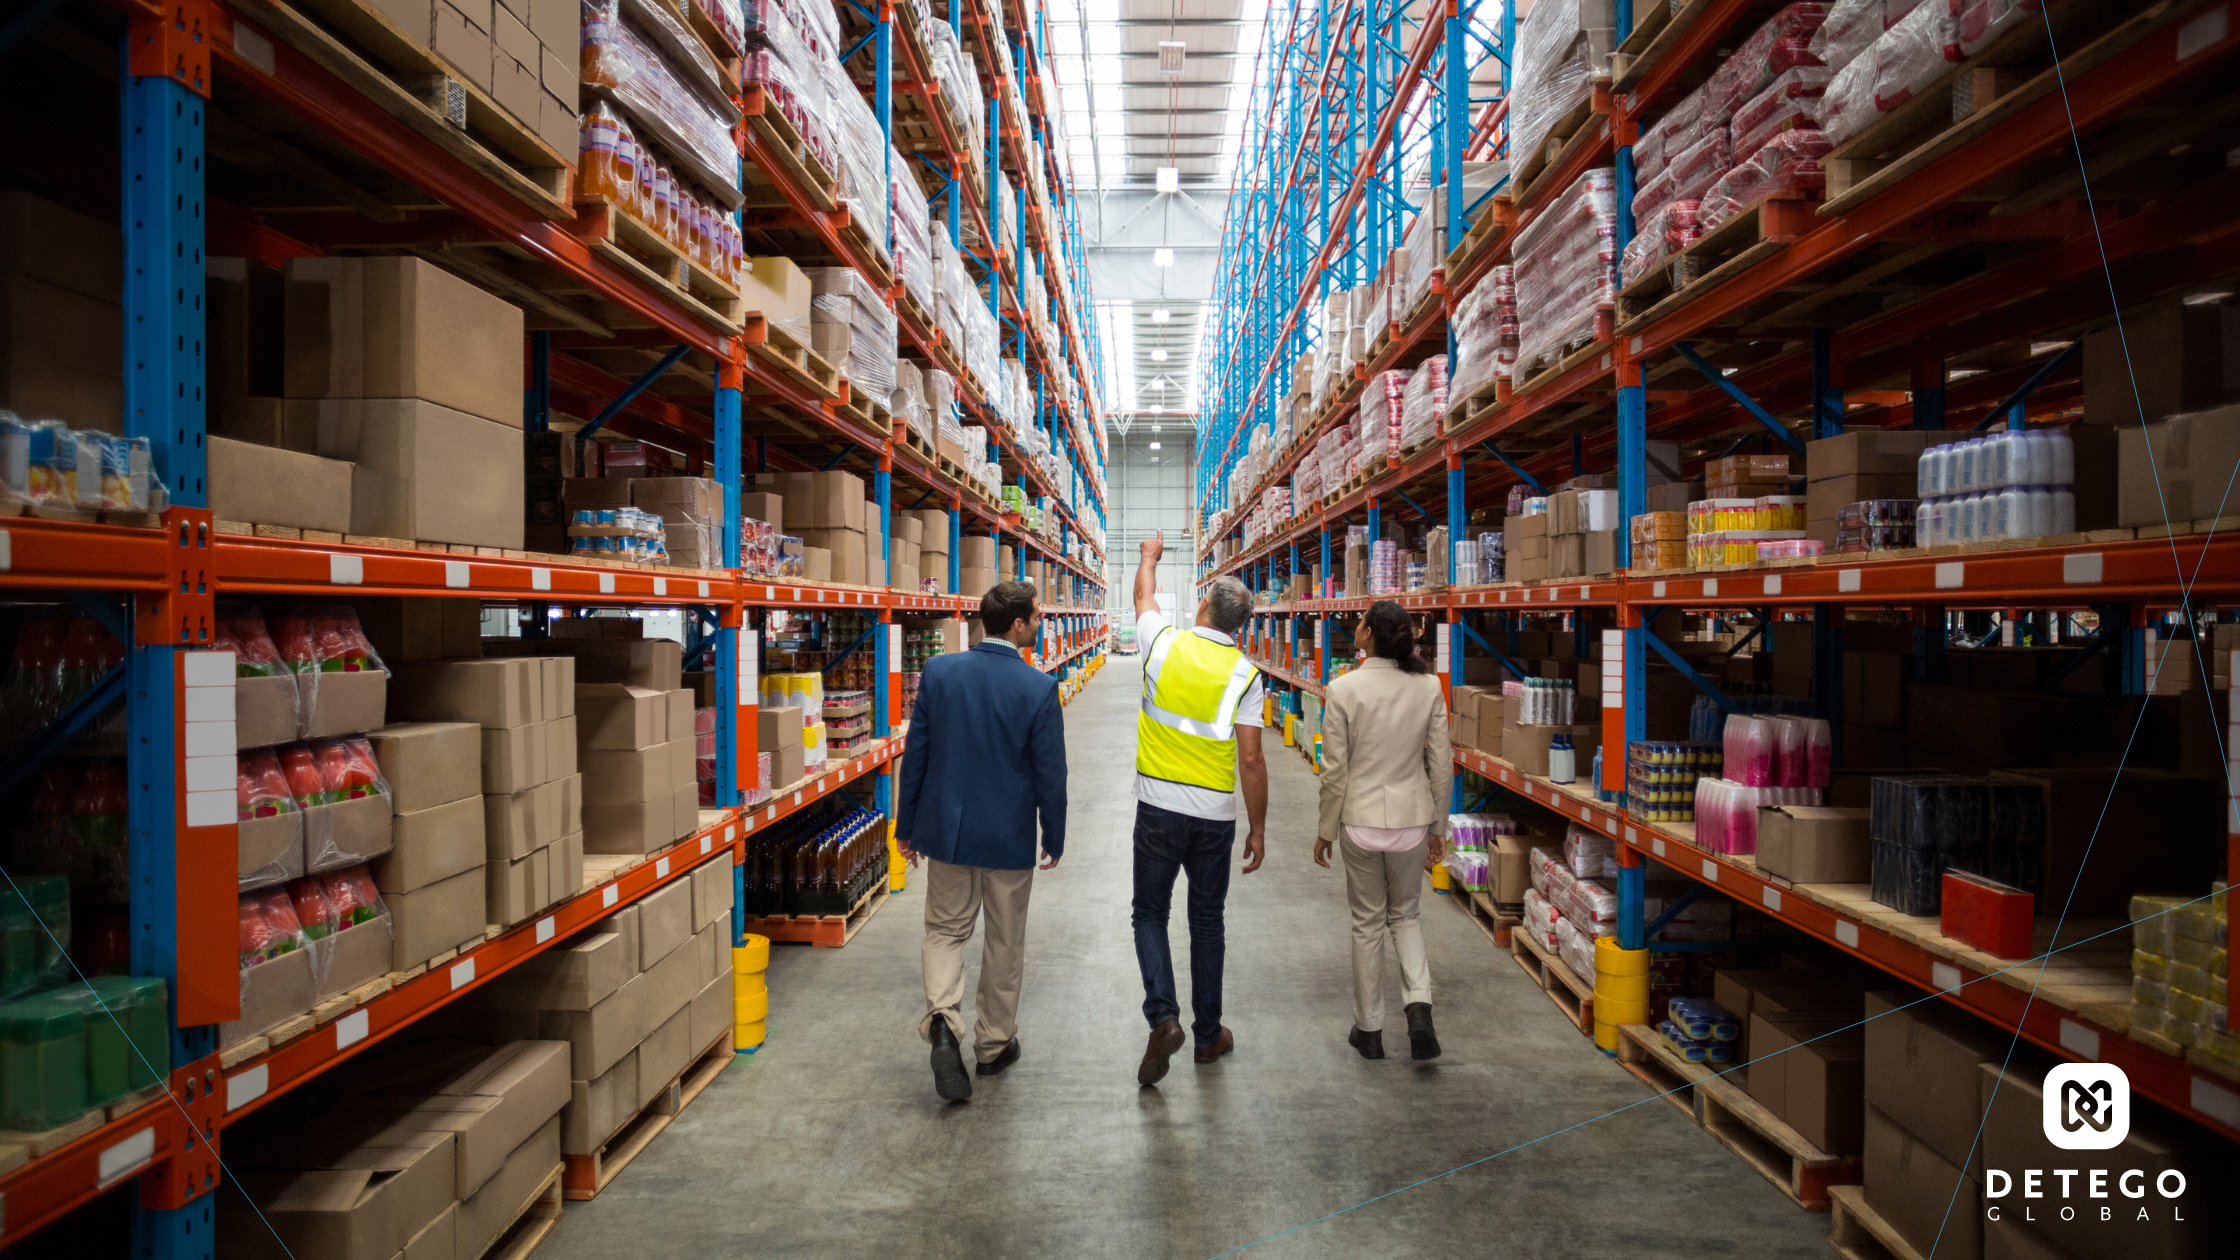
1424	405
1788	166
1672	229
1905	59
840	298
1977	22
1923	825
1566	270
913	236
628	67
1782	44
1561	45
1790	103
1382	399
1852	26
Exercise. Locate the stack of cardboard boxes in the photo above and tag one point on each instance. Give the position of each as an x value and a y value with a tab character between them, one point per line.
532	792
438	1158
778	734
1805	1051
524	53
1922	1089
976	565
1583	529
1859	465
827	511
640	791
637	998
432	876
904	550
933	547
61	314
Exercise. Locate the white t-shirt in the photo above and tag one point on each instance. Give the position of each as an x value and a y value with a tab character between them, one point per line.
1181	798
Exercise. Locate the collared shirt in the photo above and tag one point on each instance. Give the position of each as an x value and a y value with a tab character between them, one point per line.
1006	644
1181	798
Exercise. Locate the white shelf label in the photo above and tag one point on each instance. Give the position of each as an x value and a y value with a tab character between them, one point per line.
661	869
2213	1100
1657	588
1773	586
1952	574
1847	934
606	584
1711	870
609	895
244	1088
540	579
545	928
2082	569
455	573
1847	579
462	974
1711	586
352	1029
345	570
7	541
1945	976
1772	898
1656	846
128	1156
661	586
2079	1040
707	845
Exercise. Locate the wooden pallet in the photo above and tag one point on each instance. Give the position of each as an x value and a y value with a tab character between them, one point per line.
1600	345
358	43
873	253
1725	252
1498	214
919	442
1655	30
778	142
1858	1232
1463	409
1718	1102
825	931
773	344
620	239
533	1224
584	1176
1573	996
1574	131
1482	911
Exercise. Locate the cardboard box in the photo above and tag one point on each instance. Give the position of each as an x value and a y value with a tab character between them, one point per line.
424	471
1526	747
270	849
1600	558
371	1205
711	894
513	758
664	922
711	1015
516	826
681	704
464	47
1918	1192
629	827
2176	357
429	920
516	888
488	692
428	763
421	628
341	704
271	994
1885	452
264	710
1809	844
975	583
667	1050
765	507
1512	866
617	777
575	976
976	551
2192	461
686	810
777	288
398	327
1824	1094
345	833
56	245
847	548
655	664
1822	498
351	957
597	1108
431	845
1921	1073
816	563
2164	815
1777	993
264	485
619	717
499	1203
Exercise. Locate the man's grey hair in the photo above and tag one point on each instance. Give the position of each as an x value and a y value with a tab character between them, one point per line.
1228	603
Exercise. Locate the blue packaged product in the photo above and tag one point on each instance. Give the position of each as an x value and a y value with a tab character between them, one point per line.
1688	1047
1703	1019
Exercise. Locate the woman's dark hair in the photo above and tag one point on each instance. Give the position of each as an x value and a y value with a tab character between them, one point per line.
1395	636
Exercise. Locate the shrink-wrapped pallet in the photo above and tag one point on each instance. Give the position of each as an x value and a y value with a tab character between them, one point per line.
1566	270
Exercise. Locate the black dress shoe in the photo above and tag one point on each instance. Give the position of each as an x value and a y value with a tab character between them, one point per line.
1370	1044
1009	1056
1423	1042
949	1079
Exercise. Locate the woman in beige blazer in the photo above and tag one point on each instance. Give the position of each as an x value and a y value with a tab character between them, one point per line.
1386	770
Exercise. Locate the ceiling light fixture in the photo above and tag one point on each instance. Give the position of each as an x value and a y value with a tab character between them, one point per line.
1167	179
1159	356
1154	446
1162	258
1161	315
1170	57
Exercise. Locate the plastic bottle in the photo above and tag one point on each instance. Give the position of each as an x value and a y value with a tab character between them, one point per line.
1561	760
2037	458
2041	510
2064	510
2011	515
596	175
1926	473
1999	462
2064	459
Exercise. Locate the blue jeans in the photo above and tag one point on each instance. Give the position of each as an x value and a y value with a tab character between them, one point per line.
1168	843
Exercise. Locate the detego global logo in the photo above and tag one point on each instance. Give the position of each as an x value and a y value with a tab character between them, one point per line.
2087	1107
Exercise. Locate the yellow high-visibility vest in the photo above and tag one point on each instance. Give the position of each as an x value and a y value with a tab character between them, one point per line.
1186	729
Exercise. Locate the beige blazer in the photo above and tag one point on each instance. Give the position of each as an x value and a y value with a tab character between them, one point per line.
1385	758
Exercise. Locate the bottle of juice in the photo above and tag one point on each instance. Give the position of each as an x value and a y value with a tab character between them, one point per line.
596	172
305	781
649	200
626	158
314	911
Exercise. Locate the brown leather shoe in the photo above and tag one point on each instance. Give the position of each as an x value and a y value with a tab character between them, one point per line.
1222	1045
1165	1040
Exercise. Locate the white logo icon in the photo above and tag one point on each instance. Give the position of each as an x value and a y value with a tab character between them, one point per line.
2087	1106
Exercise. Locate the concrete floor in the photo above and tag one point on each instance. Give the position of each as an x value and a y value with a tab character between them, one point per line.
829	1141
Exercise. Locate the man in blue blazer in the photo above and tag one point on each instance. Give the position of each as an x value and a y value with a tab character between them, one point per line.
987	752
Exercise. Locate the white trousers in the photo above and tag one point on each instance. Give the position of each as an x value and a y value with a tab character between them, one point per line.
956	898
1384	892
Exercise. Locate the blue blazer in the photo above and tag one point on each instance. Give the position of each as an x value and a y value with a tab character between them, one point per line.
987	751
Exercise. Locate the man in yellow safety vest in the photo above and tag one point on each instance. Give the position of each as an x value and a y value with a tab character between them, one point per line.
1197	742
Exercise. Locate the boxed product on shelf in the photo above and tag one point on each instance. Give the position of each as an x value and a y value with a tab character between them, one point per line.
266	485
421	471
778	289
1809	844
691	512
79	1047
2169	357
61	322
2177	469
1924	825
852	326
400	328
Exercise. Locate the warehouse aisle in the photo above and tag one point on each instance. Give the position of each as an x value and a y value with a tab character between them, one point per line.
830	1142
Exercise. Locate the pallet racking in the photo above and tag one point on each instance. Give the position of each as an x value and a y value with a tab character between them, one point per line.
495	208
1845	294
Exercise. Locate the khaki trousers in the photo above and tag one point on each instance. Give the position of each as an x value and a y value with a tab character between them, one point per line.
1383	890
956	898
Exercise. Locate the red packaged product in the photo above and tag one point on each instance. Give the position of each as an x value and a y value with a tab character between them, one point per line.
305	782
1783	43
260	789
353	895
268	926
1792	100
313	909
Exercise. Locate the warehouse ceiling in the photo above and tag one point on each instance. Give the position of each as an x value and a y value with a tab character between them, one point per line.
1152	94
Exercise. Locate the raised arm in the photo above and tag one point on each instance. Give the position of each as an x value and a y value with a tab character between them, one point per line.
1147	573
